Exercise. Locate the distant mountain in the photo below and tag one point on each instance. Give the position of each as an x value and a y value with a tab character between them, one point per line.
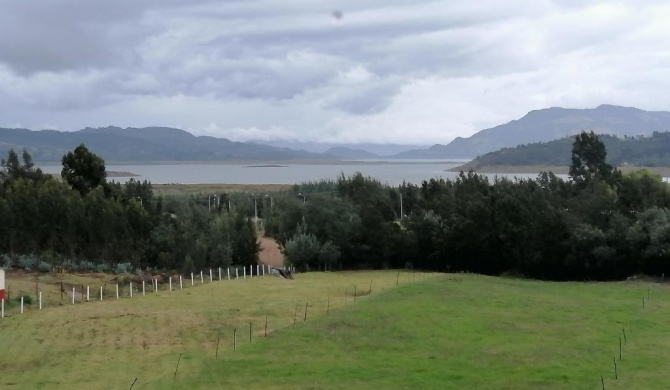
142	145
380	150
350	153
548	125
652	151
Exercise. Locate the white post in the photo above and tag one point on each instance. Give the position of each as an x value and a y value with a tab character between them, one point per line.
117	291
101	293
244	271
192	279
144	289
131	289
257	270
170	283
210	274
73	295
219	273
88	293
2	312
237	276
181	285
156	286
251	271
21	304
263	269
40	299
202	280
228	273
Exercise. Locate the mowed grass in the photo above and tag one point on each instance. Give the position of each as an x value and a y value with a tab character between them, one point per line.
430	332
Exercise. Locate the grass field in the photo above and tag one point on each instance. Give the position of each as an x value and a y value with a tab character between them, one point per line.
430	332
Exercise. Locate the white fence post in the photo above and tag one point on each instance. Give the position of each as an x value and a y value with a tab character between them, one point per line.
192	279
244	271
181	285
117	291
88	293
131	289
210	275
101	293
144	289
40	299
73	295
170	283
2	312
258	267
228	273
156	284
219	273
21	304
237	276
202	280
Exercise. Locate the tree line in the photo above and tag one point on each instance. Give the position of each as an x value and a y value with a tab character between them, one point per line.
86	222
597	225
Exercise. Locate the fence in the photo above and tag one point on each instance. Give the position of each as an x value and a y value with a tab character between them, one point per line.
84	293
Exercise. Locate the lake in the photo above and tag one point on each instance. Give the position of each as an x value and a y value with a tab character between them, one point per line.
393	173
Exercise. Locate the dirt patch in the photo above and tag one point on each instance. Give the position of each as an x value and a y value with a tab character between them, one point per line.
270	252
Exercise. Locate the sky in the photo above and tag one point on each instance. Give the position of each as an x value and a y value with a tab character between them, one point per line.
348	71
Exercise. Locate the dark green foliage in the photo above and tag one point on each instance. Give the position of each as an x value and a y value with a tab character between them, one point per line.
83	170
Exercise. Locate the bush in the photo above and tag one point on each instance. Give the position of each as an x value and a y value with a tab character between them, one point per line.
44	267
86	265
123	268
28	262
7	261
103	268
27	300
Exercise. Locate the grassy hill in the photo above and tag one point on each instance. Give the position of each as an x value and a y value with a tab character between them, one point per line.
430	332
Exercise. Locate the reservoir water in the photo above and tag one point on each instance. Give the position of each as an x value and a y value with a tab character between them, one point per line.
393	173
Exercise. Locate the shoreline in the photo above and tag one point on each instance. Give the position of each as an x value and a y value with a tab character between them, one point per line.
556	169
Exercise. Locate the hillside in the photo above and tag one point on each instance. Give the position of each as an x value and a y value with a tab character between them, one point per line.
548	125
652	151
141	145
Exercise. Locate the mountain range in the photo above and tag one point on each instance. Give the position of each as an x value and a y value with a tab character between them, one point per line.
156	144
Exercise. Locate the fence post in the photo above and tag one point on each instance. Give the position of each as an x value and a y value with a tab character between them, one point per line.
237	276
192	282
40	299
117	291
2	312
131	289
21	304
210	275
228	271
156	284
73	295
202	280
101	293
170	283
257	270
219	273
181	285
244	271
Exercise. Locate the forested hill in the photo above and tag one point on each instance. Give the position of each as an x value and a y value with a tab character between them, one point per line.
652	151
141	145
550	124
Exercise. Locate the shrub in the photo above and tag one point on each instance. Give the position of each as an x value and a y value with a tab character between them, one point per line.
86	265
123	268
44	267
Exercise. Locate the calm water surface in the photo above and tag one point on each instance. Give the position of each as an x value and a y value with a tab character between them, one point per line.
393	173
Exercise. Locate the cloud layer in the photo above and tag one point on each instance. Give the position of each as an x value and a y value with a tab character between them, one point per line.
381	71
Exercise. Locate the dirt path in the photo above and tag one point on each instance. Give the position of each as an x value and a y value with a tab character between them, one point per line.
270	252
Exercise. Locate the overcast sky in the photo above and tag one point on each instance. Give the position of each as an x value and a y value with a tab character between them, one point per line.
382	71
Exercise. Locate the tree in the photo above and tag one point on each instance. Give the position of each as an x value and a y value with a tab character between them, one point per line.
589	161
83	170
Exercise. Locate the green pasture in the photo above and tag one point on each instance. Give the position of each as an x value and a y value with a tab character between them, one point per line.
429	332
